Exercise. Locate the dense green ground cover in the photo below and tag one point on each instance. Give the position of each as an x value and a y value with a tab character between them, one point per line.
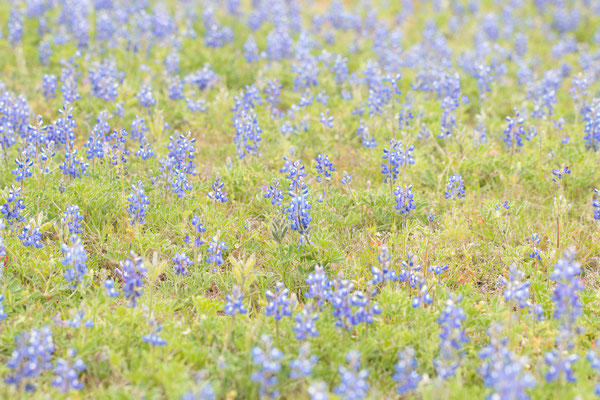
475	236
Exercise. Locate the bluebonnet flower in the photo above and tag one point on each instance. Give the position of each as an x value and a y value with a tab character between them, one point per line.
117	149
568	284
380	94
72	219
274	193
386	273
202	79
49	86
305	322
405	374
318	391
536	252
72	166
516	288
138	128
302	366
353	381
217	35
78	319
145	151
424	132
538	312
215	251
593	357
452	337
431	216
181	155
109	285
251	53
339	297
97	140
62	131
521	44
11	210
199	229
480	134
133	272
44	155
179	183
247	133
45	52
279	43
318	286
279	304
146	96
339	67
505	205
247	99
66	375
287	128
543	93
396	157
324	99
105	80
217	193
559	363
591	118
596	205
346	178
15	27
409	271
33	355
153	337
404	119
404	200
3	315
307	72
438	270
346	94
366	139
324	167
181	262
105	27
422	296
326	119
195	106
235	303
75	257
268	361
23	169
179	163
364	307
306	99
273	91
68	78
568	308
138	204
176	87
172	62
502	370
558	174
455	187
204	391
31	237
298	207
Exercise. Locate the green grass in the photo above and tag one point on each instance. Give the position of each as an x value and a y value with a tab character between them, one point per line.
348	226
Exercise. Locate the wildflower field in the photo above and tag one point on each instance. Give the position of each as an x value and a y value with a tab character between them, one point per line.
296	199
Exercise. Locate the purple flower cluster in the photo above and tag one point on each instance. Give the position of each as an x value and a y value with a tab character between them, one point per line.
133	273
453	338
